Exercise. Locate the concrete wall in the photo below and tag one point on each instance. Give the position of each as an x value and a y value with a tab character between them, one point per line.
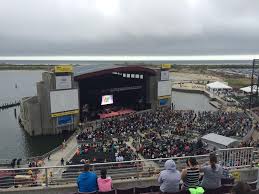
35	118
30	115
36	113
248	174
151	90
47	86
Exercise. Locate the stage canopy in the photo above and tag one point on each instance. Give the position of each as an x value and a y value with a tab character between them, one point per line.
248	89
218	85
86	71
219	141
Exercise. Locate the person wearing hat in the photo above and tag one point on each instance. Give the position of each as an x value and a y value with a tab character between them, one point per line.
169	179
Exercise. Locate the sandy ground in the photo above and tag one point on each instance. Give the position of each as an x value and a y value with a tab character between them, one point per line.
177	76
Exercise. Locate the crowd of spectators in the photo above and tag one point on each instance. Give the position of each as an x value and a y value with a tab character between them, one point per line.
160	133
164	147
105	151
223	123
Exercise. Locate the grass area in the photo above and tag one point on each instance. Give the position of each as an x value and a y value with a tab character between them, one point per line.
238	82
24	67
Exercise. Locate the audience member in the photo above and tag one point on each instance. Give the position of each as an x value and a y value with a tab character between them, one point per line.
104	182
87	181
212	174
191	174
169	179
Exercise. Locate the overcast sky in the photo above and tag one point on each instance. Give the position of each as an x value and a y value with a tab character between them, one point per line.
128	27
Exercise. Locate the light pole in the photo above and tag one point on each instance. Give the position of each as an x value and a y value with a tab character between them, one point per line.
252	84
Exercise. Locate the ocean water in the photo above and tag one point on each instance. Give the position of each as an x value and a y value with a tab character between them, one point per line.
14	141
191	101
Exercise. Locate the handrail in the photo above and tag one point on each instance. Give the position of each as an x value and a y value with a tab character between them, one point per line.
133	161
56	175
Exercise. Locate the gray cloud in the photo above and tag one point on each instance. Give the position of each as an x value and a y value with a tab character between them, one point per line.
132	27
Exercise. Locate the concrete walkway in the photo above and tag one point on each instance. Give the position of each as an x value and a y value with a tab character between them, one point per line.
148	164
55	159
66	153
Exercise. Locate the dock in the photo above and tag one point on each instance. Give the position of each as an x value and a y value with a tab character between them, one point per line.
9	105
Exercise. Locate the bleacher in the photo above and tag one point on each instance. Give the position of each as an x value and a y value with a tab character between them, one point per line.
227	185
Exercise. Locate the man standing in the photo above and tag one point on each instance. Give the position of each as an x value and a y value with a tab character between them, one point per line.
87	181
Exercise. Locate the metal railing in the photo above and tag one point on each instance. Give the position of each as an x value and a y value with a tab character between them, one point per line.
59	175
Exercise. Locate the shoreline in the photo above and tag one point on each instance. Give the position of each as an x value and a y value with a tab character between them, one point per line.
175	67
7	67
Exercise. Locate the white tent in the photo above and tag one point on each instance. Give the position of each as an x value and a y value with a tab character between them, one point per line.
248	89
219	141
218	85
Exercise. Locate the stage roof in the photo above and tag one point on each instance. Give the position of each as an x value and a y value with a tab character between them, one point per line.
86	71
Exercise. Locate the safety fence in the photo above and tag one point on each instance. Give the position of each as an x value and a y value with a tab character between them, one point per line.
59	175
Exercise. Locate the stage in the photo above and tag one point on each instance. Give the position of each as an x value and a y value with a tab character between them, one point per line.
115	113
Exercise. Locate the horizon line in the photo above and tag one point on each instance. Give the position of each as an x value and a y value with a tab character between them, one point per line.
132	58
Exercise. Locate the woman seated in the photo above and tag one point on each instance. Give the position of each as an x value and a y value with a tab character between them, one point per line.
212	174
191	174
104	182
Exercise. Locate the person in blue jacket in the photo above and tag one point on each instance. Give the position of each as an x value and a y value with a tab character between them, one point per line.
87	181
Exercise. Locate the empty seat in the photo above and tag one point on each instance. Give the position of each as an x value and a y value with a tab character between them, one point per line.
139	190
254	192
225	181
180	192
214	191
227	188
252	184
155	188
107	192
125	191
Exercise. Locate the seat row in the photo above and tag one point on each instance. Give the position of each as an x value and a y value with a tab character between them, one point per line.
156	190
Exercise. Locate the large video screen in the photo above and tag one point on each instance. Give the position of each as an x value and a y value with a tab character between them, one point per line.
64	100
107	99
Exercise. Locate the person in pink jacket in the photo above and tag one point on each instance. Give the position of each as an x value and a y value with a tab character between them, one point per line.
104	182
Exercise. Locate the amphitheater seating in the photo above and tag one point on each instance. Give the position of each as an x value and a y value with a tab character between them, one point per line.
125	191
155	188
108	192
253	184
225	181
225	189
139	190
214	191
